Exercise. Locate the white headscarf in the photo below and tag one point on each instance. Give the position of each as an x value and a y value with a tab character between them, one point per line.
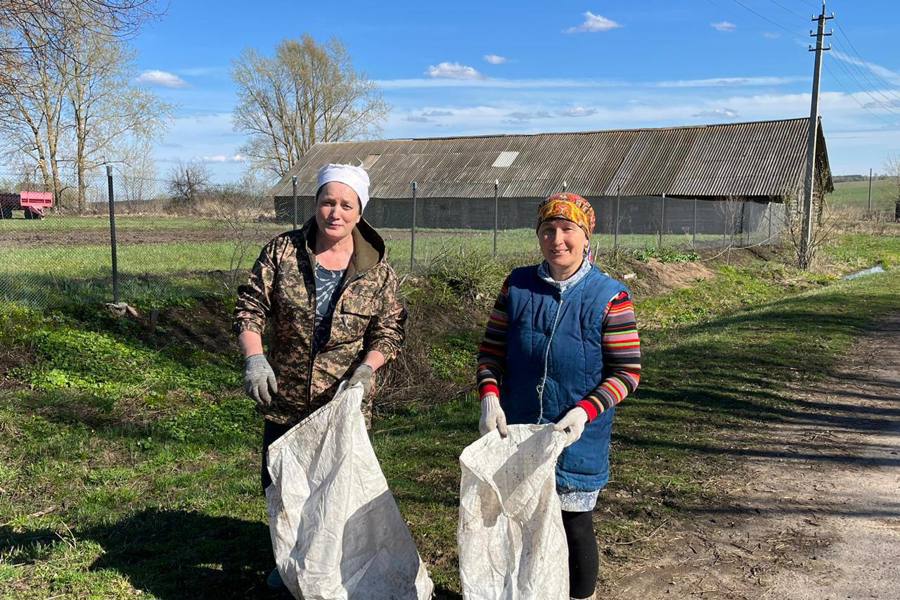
355	177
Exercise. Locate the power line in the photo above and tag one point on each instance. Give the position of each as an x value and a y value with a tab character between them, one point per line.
763	17
790	10
855	99
867	72
875	100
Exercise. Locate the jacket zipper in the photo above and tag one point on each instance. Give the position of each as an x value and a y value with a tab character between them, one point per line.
540	386
312	355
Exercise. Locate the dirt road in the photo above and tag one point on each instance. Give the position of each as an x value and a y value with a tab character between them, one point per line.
814	509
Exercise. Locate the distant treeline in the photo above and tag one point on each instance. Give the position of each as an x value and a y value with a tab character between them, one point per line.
843	178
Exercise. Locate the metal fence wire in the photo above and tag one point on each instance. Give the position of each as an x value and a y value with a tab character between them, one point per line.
171	247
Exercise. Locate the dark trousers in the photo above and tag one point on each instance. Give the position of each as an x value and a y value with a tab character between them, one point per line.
584	558
271	432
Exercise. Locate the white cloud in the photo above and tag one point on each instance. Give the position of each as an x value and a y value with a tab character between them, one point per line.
523	116
593	23
772	35
723	26
730	82
716	113
399	84
161	79
222	158
203	71
448	70
577	111
537	84
883	72
495	59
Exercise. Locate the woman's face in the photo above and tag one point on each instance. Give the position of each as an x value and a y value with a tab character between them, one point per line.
563	244
337	210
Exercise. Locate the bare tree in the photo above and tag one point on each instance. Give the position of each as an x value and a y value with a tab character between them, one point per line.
188	182
28	27
32	116
139	171
73	97
825	224
106	111
306	93
892	170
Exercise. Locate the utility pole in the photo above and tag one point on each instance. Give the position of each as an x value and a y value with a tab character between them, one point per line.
809	182
870	192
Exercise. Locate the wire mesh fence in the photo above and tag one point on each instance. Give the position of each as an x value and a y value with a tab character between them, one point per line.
170	248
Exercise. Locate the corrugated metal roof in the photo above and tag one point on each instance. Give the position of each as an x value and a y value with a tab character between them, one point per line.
757	159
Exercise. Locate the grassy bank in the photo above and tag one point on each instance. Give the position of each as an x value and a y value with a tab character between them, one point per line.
128	456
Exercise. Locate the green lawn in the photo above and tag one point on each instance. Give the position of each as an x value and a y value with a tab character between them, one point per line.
128	223
129	465
40	274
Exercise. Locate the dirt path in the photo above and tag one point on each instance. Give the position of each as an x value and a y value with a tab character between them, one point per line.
817	516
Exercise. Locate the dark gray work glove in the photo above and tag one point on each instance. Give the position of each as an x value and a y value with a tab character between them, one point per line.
362	374
259	378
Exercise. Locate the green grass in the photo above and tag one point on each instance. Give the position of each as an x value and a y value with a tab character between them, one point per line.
55	223
131	468
855	194
863	251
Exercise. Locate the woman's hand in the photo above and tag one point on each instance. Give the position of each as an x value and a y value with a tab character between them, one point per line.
259	378
573	424
492	416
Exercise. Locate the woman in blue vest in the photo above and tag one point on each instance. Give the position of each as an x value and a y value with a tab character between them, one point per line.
561	346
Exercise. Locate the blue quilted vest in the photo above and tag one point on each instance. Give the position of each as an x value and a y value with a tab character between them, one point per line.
554	359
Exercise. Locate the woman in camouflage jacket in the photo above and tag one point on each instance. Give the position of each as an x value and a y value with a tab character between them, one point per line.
332	302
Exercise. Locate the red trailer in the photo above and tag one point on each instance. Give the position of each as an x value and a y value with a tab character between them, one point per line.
34	204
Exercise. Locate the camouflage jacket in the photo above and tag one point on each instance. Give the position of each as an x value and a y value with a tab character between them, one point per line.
368	315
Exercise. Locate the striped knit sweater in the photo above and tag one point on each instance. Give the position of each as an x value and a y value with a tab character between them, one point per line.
621	354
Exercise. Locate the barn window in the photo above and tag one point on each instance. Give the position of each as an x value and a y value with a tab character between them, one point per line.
505	159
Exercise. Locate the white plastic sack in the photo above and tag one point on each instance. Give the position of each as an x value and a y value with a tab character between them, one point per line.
336	530
512	545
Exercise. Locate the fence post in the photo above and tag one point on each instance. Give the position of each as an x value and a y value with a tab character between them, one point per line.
769	239
870	193
727	216
745	234
496	212
112	234
662	220
616	228
412	241
694	228
294	194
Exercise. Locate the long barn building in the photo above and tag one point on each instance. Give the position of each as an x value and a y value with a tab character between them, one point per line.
749	165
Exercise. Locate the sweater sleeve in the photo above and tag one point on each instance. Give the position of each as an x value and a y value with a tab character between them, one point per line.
492	351
621	358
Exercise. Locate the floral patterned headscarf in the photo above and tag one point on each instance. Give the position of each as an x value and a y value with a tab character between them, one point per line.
571	207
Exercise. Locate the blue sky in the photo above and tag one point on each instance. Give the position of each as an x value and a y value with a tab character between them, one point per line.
466	68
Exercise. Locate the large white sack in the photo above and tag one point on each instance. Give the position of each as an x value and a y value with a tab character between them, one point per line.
336	530
512	545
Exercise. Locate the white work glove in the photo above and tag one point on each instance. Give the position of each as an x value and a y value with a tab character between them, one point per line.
573	424
492	416
259	378
362	374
